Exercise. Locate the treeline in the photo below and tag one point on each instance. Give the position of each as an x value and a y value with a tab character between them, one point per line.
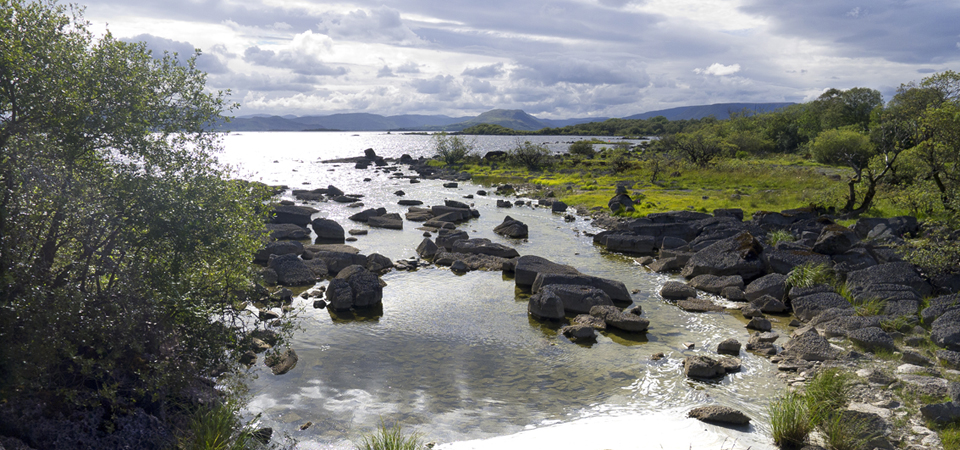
654	126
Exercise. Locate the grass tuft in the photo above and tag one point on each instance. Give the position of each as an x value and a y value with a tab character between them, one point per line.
790	420
777	236
807	275
391	438
845	432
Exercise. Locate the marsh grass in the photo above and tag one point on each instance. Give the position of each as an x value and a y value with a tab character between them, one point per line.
392	438
828	391
950	437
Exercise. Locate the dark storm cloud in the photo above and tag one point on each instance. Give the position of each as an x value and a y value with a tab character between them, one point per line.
906	32
206	62
299	62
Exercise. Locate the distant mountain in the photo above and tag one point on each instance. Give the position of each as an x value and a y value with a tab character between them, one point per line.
342	122
509	118
719	110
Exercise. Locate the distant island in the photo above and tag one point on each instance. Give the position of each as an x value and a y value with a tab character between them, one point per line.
513	119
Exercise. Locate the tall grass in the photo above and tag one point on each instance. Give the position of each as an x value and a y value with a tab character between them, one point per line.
217	427
826	392
777	236
807	275
845	431
821	406
391	438
790	420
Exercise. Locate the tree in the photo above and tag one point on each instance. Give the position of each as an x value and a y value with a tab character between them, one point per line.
529	155
123	244
582	147
700	148
854	150
451	150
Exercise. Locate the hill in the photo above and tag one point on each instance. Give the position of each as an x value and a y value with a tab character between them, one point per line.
719	110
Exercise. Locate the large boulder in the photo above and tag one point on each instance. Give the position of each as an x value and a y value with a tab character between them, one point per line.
809	346
528	267
769	305
287	231
716	284
328	231
354	287
939	306
614	318
546	305
628	243
808	306
291	270
391	221
446	238
900	226
278	248
297	215
576	299
675	290
365	215
738	255
620	201
871	339
945	331
877	278
616	290
378	263
480	246
774	285
427	249
512	228
782	261
336	261
835	240
703	367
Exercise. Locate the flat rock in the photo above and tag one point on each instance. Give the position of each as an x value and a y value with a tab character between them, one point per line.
737	255
698	305
809	346
287	231
871	339
675	290
716	284
719	414
389	221
297	215
576	298
615	289
481	246
614	318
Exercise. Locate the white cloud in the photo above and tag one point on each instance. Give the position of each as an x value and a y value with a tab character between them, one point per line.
719	70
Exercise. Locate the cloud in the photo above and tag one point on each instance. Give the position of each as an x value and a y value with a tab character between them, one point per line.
719	70
302	56
553	69
443	87
382	24
206	62
409	67
385	72
488	71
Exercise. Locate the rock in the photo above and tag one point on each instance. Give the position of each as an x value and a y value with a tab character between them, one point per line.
281	363
750	311
400	193
328	231
784	261
773	284
576	298
733	293
512	228
416	214
546	305
558	207
621	201
287	231
738	255
345	199
459	266
715	284
900	226
835	240
675	290
613	288
808	306
925	385
897	273
365	215
939	306
529	266
729	347
760	344
587	319
291	270
297	215
769	305
703	367
262	435
450	185
319	304
354	287
579	333
719	414
945	331
941	412
504	204
427	249
759	324
480	246
377	263
912	357
698	305
628	243
339	260
949	358
389	221
278	248
410	202
446	238
871	339
614	318
809	346
247	359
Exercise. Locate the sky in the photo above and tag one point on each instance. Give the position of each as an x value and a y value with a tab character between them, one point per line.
552	59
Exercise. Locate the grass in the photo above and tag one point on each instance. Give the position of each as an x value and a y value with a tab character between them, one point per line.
789	420
950	437
793	416
844	432
777	236
217	428
808	275
391	438
828	391
869	306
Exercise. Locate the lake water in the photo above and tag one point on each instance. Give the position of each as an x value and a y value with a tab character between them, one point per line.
456	357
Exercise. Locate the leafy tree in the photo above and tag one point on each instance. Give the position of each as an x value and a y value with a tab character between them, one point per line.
451	149
854	150
582	148
700	148
123	245
529	155
939	150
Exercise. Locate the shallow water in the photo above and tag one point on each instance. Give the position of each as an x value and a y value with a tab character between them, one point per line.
456	357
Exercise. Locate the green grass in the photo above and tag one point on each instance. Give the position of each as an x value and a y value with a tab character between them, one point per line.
777	236
950	437
843	432
869	306
392	438
807	275
789	420
828	391
217	428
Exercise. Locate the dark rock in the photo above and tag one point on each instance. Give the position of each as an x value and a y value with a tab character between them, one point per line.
459	266
614	318
702	367
512	228
729	347
736	213
784	261
447	238
871	339
297	215
389	221
278	248
835	240
419	214
427	249
558	207
939	306
759	324
628	243
365	215
579	332
377	263
328	231
337	260
546	305
616	290
715	284
291	270
719	414
281	363
409	202
898	273
577	298
504	204
806	307
287	231
587	319
675	290
941	412
900	226
750	311
621	201
529	266
481	246
945	331
354	287
472	261
853	260
809	346
450	185
733	293
773	284
769	305
345	199
698	305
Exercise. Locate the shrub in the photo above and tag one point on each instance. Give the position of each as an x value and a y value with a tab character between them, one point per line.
583	148
451	150
529	155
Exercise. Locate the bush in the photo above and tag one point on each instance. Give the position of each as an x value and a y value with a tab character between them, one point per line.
529	155
451	150
583	148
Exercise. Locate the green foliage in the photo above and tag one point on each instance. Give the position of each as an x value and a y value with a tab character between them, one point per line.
950	437
529	155
123	244
700	148
451	149
789	420
777	236
807	275
391	438
216	427
582	147
842	147
937	253
828	391
846	431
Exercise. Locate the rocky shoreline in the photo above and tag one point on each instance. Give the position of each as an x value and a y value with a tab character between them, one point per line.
879	318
